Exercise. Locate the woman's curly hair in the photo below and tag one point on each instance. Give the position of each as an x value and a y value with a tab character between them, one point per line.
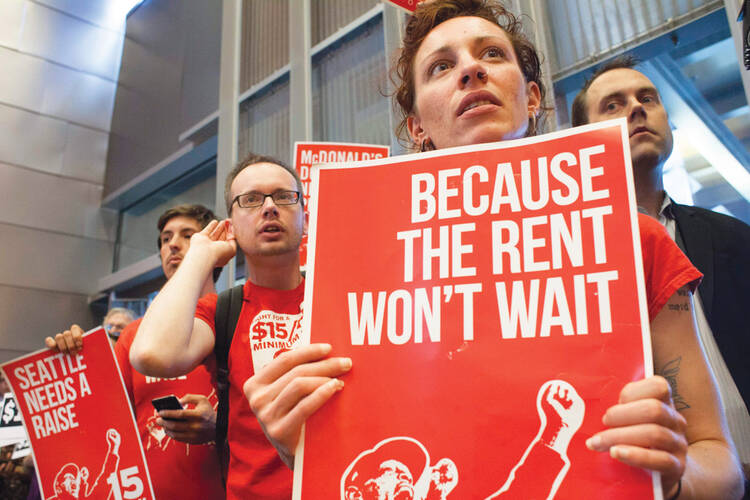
427	16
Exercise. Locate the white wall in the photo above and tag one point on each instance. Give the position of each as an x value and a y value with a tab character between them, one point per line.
60	60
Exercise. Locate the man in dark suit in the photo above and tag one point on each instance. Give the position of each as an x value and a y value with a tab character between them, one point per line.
718	245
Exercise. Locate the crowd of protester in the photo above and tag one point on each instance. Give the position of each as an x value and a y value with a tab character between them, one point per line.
466	75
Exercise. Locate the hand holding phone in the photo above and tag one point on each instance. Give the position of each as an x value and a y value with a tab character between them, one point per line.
196	425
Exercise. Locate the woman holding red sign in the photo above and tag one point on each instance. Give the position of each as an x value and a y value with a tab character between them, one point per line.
467	75
467	78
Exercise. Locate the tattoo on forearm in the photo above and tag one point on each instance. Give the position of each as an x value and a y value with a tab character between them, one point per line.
670	372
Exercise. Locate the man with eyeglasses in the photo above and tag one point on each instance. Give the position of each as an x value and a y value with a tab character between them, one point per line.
267	222
115	322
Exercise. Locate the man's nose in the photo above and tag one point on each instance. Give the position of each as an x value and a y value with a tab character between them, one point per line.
269	207
635	109
174	242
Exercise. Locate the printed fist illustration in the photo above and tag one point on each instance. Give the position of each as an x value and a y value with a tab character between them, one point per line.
443	478
114	440
561	412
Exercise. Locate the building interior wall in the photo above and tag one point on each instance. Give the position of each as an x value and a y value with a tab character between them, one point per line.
169	80
59	65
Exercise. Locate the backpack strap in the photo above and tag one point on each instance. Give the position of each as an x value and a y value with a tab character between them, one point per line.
228	307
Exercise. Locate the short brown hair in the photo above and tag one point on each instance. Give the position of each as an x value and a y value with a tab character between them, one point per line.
253	159
201	214
428	15
579	110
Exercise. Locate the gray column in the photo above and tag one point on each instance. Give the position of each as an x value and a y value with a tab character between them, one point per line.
229	85
393	28
300	72
538	12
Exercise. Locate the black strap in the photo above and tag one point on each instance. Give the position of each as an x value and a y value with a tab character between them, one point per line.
228	307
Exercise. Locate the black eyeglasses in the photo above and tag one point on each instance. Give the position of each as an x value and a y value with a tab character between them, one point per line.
113	331
255	199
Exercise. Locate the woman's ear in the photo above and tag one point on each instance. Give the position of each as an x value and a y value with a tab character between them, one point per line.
417	133
534	96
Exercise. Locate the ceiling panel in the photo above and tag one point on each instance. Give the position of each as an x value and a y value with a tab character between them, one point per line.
32	140
85	154
11	20
61	38
82	98
42	201
25	324
108	14
53	261
22	80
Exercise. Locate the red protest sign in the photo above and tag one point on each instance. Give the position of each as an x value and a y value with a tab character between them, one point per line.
491	300
307	154
76	413
409	5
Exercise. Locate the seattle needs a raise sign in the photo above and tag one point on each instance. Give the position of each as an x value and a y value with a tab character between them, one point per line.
80	426
492	301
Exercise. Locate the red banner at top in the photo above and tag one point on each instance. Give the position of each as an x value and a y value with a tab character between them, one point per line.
307	154
78	419
491	299
409	5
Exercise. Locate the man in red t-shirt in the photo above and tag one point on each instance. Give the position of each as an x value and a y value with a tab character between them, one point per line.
115	322
267	222
178	444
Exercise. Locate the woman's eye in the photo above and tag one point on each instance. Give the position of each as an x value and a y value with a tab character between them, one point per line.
494	53
438	67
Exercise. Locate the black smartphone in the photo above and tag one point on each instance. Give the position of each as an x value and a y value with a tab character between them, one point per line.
167	403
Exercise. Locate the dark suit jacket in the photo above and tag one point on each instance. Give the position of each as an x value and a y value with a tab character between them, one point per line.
719	246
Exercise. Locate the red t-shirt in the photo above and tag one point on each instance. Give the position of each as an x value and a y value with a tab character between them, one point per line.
665	268
178	470
269	324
